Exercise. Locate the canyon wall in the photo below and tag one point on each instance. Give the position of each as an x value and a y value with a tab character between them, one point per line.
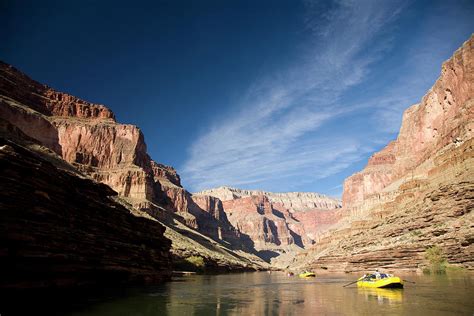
43	99
61	229
298	201
276	223
87	136
418	191
415	193
443	117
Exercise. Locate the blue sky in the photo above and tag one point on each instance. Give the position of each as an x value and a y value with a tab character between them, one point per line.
274	95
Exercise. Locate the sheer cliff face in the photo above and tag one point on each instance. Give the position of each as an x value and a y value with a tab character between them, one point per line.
112	153
416	192
69	222
60	228
444	116
297	201
276	221
87	136
256	217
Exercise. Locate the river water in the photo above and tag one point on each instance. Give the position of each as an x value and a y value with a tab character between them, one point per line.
262	293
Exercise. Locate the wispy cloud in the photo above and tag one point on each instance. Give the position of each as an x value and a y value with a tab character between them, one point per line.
331	108
267	141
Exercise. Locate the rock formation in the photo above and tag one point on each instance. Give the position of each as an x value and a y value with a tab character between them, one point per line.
45	100
416	192
60	229
87	136
297	201
443	117
276	223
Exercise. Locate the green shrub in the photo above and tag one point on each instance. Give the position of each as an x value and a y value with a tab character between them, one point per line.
196	261
436	260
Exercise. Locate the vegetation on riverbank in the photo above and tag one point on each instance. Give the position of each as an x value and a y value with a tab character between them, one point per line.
437	263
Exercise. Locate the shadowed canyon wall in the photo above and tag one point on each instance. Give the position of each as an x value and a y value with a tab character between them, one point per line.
61	229
87	136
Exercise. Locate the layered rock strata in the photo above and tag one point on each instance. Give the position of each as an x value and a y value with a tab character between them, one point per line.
297	201
418	191
84	134
59	228
45	100
443	117
87	136
276	223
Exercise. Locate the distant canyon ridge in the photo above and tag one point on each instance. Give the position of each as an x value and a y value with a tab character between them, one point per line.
415	193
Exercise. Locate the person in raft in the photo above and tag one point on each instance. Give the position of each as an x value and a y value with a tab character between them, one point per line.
379	275
376	275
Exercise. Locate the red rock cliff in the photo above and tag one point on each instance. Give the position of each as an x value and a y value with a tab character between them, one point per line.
418	191
441	118
276	222
87	136
41	98
84	134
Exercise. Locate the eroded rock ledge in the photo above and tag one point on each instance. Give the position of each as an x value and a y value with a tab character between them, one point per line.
60	229
415	193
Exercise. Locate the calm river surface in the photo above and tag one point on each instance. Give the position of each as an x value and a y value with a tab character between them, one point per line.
261	293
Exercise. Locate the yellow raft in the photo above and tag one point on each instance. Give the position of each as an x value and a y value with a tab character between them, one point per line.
307	275
388	282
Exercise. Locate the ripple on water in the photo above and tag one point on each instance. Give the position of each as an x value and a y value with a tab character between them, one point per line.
276	294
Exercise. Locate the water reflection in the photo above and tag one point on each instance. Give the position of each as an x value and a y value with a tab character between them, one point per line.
382	296
278	294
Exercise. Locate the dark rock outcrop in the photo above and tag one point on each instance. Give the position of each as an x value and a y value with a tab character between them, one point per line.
59	228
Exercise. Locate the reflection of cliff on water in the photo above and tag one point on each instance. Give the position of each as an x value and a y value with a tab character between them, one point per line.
382	296
262	293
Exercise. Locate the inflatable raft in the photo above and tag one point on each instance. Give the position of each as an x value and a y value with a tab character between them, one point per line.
384	282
